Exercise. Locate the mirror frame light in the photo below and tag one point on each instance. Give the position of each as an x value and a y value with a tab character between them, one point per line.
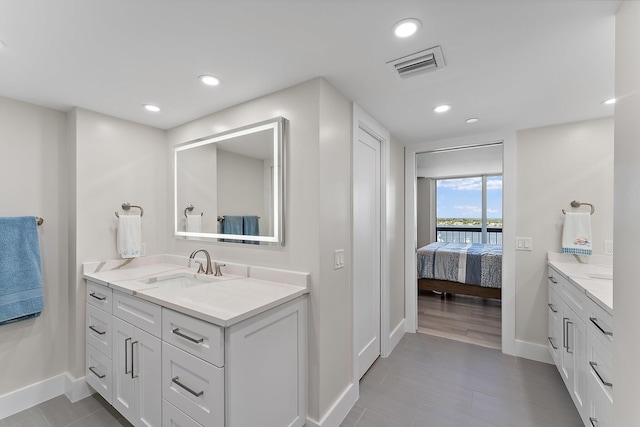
278	125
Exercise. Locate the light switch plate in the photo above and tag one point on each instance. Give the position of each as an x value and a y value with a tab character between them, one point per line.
524	243
338	259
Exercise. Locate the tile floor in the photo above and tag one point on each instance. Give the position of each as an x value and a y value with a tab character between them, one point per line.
426	381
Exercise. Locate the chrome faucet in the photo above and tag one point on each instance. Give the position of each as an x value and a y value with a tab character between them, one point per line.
201	270
217	268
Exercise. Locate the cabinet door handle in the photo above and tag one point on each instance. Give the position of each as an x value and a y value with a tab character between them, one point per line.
568	346
593	421
187	337
593	366
553	280
594	320
133	357
97	331
551	307
126	359
98	296
564	333
176	380
551	342
92	369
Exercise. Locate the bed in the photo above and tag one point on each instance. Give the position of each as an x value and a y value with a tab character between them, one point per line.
461	268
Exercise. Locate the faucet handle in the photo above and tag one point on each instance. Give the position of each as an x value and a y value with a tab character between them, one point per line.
200	268
217	268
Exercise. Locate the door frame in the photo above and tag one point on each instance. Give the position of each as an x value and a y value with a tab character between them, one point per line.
362	120
508	229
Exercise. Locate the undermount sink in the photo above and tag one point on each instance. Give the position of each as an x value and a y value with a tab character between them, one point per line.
180	281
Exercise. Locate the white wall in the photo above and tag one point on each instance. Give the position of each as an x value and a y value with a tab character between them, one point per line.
424	202
555	165
395	233
317	219
626	268
481	160
33	181
116	161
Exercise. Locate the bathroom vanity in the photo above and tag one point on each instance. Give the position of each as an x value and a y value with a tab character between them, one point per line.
169	347
581	329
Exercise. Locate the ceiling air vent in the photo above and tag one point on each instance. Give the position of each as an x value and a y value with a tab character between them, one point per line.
418	63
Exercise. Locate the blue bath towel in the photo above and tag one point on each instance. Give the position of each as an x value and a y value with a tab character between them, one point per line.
232	225
251	227
20	270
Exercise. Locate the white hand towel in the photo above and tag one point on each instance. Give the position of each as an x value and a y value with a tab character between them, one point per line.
194	223
576	235
130	236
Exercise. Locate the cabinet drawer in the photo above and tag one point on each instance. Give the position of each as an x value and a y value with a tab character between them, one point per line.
600	364
554	307
600	407
193	386
99	296
99	329
600	323
574	298
197	337
98	373
174	417
554	280
142	314
554	342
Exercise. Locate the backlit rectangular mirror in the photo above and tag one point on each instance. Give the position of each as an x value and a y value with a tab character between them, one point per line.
230	186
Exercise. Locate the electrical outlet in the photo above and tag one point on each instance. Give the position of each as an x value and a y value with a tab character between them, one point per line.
608	247
338	259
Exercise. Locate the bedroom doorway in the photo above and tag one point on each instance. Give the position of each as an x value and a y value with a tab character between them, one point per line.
459	243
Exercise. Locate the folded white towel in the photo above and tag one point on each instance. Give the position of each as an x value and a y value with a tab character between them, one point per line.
194	223
576	235
130	236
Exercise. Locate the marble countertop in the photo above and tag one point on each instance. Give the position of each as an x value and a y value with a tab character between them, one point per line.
594	278
242	291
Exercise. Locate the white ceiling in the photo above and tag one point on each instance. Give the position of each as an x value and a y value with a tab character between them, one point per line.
512	63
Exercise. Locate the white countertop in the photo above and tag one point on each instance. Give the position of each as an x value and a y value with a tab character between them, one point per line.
594	278
242	292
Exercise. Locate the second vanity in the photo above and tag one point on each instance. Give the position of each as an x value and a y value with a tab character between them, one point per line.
581	330
169	347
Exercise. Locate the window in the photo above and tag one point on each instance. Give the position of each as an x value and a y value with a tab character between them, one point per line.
469	210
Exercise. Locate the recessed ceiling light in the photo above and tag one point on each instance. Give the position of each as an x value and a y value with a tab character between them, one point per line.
609	101
406	27
152	108
209	80
472	120
442	108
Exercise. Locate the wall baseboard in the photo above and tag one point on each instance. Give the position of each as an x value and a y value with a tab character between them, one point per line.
338	412
35	394
31	395
76	388
394	337
532	351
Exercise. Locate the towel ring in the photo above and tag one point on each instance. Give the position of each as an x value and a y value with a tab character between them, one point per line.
577	204
126	206
190	208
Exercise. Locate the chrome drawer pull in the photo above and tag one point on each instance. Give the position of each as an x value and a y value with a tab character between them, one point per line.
196	394
551	307
97	331
593	366
551	342
187	337
98	296
133	375
594	320
568	347
565	333
126	362
552	279
92	369
593	421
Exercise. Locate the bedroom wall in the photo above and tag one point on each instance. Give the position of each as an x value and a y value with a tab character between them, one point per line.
33	181
555	165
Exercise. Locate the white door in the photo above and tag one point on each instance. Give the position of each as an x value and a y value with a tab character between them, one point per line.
123	382
366	249
147	358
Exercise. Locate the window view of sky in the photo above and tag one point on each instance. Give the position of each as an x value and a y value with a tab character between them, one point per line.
462	197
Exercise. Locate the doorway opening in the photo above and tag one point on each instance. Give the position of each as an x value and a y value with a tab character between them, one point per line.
459	244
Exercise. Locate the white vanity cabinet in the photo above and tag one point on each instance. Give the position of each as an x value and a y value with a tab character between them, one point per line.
579	333
161	367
